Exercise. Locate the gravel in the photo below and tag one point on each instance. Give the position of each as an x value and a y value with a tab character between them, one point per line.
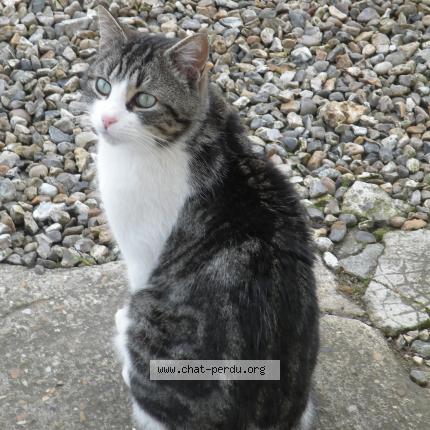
420	377
363	264
422	348
336	95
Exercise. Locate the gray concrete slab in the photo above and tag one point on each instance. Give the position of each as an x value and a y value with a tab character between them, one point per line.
398	298
58	370
362	385
330	300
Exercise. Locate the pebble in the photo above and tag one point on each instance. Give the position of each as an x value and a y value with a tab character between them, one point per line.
338	231
413	165
301	55
99	253
58	136
30	224
424	335
317	189
365	237
421	348
241	102
335	12
316	160
48	190
420	377
38	171
267	35
70	258
350	220
5	241
307	107
368	14
294	120
290	143
324	244
397	221
231	22
413	224
330	260
268	134
7	190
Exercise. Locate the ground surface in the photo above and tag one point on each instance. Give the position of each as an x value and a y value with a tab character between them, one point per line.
58	370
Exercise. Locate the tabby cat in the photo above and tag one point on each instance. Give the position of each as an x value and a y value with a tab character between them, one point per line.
217	250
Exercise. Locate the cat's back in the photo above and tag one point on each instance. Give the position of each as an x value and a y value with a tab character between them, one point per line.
248	236
250	225
256	201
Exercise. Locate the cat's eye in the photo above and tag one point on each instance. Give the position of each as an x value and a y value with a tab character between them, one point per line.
145	101
103	86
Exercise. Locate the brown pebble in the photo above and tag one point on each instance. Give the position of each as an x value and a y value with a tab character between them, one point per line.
397	221
413	224
40	199
94	212
316	160
3	170
416	129
60	198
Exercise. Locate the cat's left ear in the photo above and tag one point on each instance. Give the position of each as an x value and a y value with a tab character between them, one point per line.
111	32
190	55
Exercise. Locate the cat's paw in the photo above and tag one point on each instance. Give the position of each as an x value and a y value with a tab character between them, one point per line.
126	376
122	323
144	421
121	320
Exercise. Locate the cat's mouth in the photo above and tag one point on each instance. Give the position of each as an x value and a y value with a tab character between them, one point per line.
107	135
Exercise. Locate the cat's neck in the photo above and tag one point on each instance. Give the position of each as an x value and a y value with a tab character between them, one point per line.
208	143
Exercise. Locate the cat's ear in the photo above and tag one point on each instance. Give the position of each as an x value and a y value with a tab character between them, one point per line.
190	55
111	32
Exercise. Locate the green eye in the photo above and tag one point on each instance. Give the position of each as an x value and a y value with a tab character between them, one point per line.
103	86
145	100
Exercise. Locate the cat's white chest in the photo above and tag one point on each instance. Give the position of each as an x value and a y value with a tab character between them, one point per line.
143	190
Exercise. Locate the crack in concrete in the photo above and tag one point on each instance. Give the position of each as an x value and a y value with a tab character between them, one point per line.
23	306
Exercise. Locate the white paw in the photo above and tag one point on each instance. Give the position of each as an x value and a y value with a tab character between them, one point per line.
121	339
121	320
124	356
126	376
145	421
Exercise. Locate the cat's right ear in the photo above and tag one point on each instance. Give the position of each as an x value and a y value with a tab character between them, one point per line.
111	32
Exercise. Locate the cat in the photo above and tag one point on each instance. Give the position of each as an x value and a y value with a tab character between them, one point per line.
218	253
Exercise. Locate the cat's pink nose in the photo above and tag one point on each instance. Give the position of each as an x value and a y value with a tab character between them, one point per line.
108	121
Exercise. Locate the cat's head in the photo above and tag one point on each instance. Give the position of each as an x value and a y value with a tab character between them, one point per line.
144	85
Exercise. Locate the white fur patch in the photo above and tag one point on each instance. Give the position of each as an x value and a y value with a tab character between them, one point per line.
122	323
143	186
144	421
307	420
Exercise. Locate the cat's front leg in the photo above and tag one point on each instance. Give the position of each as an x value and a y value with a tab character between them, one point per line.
122	322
